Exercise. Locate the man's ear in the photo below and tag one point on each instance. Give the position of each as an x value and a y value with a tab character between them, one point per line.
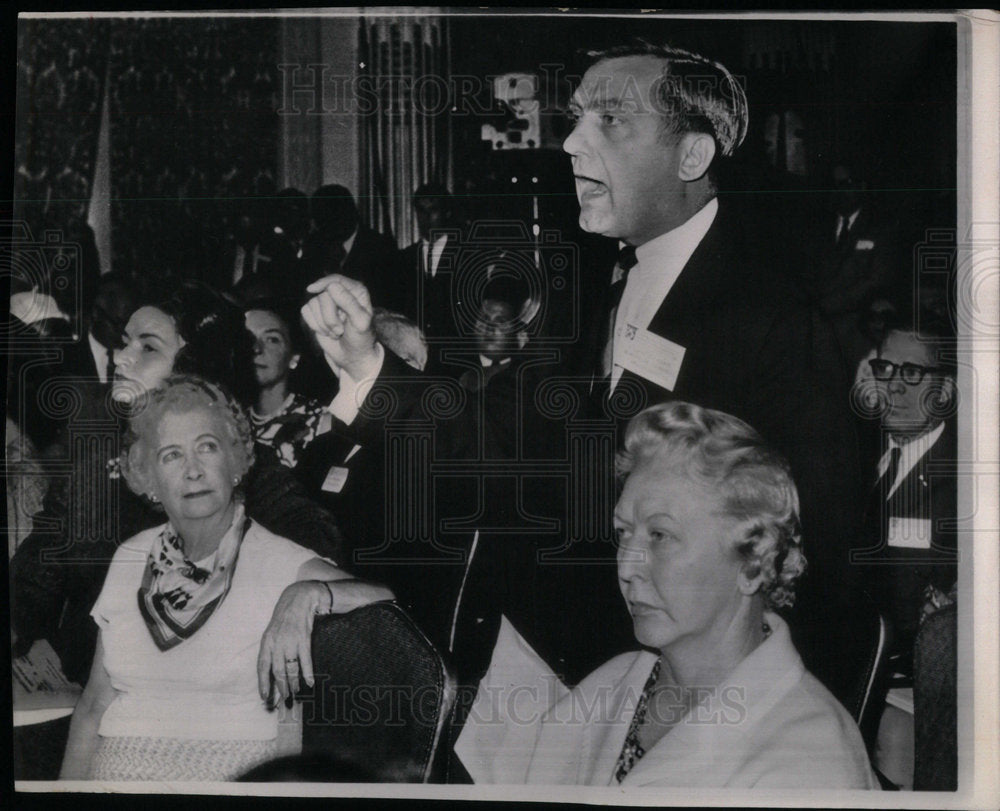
697	151
946	391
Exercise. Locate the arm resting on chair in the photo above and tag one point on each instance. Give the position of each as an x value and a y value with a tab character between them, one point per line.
285	649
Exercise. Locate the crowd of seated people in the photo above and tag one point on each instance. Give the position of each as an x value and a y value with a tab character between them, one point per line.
322	430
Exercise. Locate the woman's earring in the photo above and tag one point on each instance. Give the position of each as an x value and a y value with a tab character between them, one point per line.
153	498
236	480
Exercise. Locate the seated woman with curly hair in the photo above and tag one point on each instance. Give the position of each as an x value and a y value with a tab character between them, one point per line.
177	688
709	547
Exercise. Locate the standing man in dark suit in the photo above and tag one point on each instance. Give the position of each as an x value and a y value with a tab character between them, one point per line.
425	289
342	244
854	256
697	318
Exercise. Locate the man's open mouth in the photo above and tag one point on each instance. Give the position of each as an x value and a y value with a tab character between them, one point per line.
588	188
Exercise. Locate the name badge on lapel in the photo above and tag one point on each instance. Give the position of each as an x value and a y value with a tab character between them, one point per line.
864	245
653	358
909	533
335	479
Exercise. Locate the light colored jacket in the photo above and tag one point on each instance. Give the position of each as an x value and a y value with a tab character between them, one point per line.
769	724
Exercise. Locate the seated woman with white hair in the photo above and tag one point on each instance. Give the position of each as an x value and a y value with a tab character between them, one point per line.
179	687
709	547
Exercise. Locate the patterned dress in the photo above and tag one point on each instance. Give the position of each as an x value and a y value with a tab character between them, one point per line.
297	423
632	750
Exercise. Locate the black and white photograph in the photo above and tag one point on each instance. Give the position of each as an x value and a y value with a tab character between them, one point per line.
504	404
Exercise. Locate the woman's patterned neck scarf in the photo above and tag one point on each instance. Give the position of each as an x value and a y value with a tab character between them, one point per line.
176	596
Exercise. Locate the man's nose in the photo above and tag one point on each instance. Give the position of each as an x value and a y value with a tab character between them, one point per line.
576	141
258	347
896	385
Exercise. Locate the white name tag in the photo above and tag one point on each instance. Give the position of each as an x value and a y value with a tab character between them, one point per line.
864	245
910	533
651	357
335	480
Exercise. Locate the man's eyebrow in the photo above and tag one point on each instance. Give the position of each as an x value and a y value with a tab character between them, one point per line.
601	103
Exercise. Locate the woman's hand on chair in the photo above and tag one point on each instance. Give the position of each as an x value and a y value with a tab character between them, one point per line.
285	648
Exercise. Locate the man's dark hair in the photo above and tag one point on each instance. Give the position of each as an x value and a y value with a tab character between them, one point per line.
927	327
333	210
694	94
433	191
438	194
512	291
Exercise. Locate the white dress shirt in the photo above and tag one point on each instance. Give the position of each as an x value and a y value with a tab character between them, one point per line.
431	253
348	244
850	223
659	263
347	403
909	454
100	353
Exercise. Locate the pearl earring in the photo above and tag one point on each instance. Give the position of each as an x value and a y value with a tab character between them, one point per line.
236	480
153	498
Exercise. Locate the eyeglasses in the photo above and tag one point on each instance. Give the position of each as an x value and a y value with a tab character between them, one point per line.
910	373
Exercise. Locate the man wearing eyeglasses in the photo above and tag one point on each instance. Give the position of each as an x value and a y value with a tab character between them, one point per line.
907	559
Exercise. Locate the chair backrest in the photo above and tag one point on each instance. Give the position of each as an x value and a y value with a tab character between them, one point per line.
935	702
846	646
381	698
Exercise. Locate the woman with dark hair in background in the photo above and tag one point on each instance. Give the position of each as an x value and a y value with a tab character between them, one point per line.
281	418
57	572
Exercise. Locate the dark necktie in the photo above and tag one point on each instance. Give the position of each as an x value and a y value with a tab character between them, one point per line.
337	257
877	510
626	261
891	470
248	268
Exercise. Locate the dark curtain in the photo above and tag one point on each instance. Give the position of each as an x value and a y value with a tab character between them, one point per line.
194	133
405	138
60	77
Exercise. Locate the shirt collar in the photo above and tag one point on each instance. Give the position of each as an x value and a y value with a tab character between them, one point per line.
439	242
679	243
920	445
489	361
